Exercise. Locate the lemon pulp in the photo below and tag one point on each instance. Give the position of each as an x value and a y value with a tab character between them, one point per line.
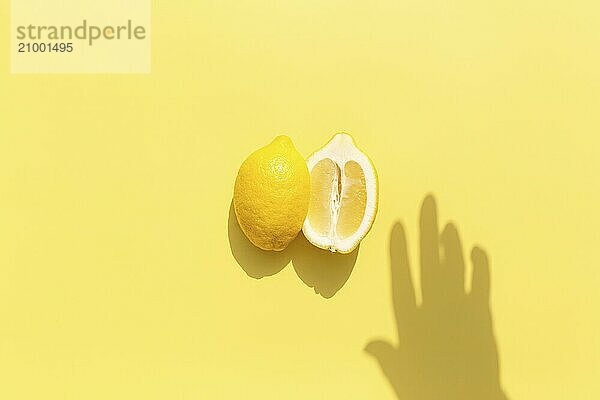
338	200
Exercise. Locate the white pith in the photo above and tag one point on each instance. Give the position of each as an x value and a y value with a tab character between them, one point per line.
341	149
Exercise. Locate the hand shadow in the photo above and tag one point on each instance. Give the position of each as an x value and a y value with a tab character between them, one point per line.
446	347
319	269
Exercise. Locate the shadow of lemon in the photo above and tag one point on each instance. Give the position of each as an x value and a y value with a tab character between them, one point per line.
319	269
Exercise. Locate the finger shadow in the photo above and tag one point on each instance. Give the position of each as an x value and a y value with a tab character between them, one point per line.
325	272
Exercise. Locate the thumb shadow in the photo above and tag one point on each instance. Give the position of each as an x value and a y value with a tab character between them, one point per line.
319	269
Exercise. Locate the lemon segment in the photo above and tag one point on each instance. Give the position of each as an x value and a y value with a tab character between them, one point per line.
344	196
354	200
322	183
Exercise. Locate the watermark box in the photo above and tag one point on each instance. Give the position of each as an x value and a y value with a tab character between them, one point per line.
80	36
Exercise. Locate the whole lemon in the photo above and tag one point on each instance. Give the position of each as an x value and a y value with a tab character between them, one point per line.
271	194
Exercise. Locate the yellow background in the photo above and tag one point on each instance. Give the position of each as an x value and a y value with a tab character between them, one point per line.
117	279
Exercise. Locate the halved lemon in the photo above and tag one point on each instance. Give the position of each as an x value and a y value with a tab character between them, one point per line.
343	196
